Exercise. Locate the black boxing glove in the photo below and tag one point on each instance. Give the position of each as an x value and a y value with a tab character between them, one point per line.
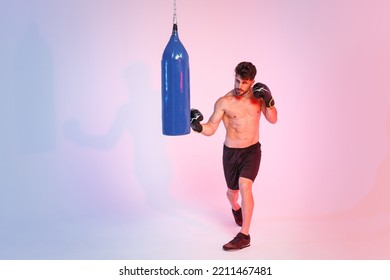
262	91
196	118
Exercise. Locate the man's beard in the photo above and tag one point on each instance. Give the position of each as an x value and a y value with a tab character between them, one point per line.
240	92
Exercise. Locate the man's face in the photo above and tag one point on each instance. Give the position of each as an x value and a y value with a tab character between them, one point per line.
242	86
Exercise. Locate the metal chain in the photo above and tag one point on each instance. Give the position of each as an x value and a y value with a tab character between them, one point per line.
174	12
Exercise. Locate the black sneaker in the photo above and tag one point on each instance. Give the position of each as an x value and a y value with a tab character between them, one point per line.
237	214
239	242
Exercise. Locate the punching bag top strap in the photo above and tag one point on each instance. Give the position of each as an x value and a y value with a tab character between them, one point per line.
174	29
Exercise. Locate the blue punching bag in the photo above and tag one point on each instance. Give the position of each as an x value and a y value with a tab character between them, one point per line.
175	87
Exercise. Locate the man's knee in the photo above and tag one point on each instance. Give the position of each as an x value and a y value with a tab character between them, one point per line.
231	192
245	184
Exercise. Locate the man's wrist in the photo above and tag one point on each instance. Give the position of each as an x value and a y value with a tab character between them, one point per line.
270	103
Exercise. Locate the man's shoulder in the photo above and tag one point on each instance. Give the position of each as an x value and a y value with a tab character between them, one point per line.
225	99
228	96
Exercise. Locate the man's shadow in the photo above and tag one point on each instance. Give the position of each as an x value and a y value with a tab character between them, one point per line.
141	118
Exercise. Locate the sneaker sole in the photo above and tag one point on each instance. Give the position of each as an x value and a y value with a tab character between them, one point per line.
238	249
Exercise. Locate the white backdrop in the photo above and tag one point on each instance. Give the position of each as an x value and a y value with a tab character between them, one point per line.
85	171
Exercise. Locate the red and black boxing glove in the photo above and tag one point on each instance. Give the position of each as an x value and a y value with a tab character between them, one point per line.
262	91
196	118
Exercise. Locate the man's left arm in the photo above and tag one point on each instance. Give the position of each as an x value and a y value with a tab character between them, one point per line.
271	114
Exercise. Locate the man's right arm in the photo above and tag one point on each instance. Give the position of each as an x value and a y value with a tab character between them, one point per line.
210	127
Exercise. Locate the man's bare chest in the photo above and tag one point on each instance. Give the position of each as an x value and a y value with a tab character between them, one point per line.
243	109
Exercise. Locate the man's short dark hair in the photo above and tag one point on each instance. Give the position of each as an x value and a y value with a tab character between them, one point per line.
246	70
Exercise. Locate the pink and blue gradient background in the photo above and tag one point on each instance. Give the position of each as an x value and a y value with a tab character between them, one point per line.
85	172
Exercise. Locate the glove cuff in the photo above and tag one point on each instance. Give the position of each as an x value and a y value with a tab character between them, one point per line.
270	104
196	126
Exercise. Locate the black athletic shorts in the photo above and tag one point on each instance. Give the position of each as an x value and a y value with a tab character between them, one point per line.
241	162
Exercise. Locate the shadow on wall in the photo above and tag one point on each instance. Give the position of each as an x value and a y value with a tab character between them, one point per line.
141	118
28	123
28	111
34	112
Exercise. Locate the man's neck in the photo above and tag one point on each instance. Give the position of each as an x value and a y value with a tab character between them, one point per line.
246	94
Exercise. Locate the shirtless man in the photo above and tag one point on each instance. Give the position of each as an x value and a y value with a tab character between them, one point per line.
240	111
